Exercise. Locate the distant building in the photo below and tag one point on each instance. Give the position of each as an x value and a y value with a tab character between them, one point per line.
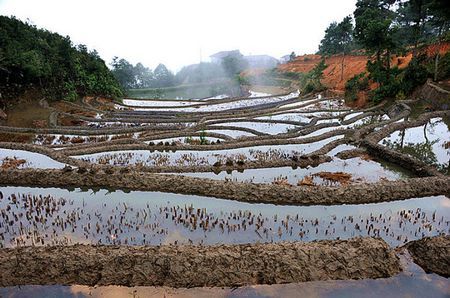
218	57
261	61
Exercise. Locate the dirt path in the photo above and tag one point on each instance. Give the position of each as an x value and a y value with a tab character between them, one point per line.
198	266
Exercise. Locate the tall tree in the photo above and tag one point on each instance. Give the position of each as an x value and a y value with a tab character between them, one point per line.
143	76
38	58
233	64
440	21
374	31
338	39
163	77
124	72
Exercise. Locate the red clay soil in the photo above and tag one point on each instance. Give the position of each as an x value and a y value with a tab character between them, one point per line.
353	65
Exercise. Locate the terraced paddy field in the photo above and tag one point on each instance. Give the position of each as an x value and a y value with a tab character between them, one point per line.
226	192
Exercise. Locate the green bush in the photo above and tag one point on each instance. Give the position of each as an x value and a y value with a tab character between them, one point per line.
357	83
310	82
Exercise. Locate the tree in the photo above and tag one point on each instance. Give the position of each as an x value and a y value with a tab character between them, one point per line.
338	39
412	16
124	72
37	58
143	76
440	21
292	57
374	31
233	64
163	77
200	73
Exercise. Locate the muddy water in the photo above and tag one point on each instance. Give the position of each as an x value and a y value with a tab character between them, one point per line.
430	143
58	216
186	157
33	160
373	172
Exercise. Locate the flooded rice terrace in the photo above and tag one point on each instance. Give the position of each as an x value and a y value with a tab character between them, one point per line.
306	164
429	142
190	158
35	216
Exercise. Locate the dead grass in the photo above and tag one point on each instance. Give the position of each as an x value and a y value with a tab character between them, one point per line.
336	177
12	163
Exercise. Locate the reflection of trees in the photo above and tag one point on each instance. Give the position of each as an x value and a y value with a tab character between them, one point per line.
421	151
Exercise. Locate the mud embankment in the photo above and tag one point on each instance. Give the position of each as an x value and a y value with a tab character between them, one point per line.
198	266
432	254
247	192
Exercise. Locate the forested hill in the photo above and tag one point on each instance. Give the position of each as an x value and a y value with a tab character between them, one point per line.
50	63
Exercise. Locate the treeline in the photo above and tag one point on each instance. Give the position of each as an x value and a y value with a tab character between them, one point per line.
140	77
384	28
37	58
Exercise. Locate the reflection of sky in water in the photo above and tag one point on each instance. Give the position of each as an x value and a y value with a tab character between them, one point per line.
231	133
300	117
137	218
226	106
373	172
156	103
402	285
33	160
269	128
188	157
436	132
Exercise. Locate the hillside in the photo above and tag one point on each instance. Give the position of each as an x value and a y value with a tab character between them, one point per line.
40	60
353	65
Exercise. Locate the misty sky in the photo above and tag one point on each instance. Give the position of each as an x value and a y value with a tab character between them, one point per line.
180	32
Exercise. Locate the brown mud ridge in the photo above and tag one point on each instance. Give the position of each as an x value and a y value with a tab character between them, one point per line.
432	254
242	191
198	266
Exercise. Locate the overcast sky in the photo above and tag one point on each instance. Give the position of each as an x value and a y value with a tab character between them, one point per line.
181	32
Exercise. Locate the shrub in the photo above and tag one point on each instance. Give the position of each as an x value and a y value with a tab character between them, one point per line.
357	83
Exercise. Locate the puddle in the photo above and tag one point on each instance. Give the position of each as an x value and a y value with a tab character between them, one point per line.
429	143
32	159
192	158
50	216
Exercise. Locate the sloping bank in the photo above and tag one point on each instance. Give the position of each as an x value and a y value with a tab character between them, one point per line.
432	254
198	266
247	192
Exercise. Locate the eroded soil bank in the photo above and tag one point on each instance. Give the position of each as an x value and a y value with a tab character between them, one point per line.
198	266
242	191
432	254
